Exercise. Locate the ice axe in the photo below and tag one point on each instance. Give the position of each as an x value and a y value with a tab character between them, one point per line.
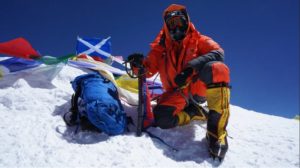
142	95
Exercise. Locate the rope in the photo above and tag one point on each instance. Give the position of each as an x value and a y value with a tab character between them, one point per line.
151	135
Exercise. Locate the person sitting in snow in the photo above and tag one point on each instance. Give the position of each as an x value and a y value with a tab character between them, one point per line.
191	70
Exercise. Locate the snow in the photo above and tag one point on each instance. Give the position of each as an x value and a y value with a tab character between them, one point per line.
33	134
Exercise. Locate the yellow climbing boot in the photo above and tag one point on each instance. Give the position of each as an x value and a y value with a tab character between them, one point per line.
191	113
183	118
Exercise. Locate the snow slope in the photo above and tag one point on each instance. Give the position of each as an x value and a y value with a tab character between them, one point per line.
33	134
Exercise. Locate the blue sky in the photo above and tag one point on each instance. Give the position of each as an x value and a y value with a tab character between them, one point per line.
260	38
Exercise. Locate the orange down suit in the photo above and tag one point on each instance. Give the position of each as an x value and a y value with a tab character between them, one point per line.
169	58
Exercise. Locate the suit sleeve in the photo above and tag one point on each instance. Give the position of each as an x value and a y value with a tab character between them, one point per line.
209	50
154	56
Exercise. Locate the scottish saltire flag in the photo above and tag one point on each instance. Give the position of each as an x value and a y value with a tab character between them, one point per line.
99	49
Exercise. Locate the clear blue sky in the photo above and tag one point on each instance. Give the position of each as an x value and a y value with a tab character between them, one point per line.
260	38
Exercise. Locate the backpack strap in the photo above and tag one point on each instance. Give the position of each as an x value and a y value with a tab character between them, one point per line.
74	103
74	118
162	40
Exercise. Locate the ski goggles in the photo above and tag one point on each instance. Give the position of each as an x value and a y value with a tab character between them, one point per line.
176	19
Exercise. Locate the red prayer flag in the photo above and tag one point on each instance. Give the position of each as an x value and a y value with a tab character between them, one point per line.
18	47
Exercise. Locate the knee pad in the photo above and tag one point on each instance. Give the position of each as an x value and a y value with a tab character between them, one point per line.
215	72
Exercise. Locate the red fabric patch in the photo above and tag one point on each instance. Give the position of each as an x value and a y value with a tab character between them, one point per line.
220	73
97	58
174	99
149	118
18	47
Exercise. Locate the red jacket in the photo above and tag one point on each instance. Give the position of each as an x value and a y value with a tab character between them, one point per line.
169	58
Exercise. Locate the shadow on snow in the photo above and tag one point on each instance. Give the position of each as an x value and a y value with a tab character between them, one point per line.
181	138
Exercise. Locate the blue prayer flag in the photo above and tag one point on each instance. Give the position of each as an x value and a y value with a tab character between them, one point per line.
17	64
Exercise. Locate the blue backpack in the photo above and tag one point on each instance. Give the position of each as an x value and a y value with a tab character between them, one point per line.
97	100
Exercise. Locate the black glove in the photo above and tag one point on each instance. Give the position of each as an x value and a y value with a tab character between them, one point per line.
136	60
181	78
